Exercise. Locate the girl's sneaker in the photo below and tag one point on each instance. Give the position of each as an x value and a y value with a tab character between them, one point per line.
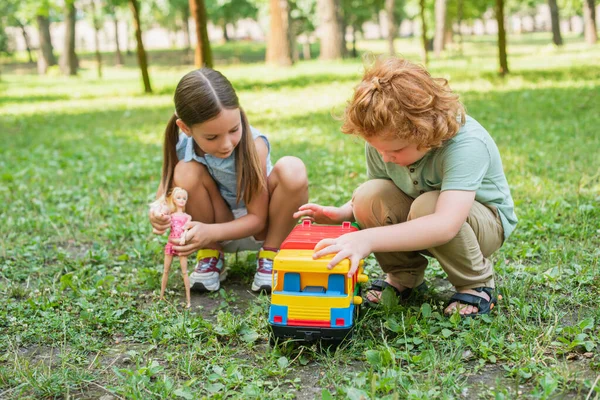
209	272
264	271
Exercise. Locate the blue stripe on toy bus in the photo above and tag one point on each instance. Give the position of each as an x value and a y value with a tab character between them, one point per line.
281	311
342	313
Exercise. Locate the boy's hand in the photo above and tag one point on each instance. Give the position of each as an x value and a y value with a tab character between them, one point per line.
354	246
322	214
197	236
160	220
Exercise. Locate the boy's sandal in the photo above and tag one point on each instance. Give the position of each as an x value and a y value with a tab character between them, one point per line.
483	306
379	285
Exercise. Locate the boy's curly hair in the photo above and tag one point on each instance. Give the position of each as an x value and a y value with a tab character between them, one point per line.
397	99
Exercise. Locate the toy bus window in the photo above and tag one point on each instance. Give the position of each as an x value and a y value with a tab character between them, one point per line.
291	282
336	284
314	289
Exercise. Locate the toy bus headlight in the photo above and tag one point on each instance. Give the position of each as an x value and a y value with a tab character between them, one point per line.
356	300
339	322
278	319
362	278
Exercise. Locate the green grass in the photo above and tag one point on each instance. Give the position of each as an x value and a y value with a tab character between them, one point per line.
79	269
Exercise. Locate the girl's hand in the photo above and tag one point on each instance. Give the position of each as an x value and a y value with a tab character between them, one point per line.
354	246
197	236
160	220
322	214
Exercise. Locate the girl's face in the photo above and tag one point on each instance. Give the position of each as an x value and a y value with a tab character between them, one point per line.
397	151
218	136
180	198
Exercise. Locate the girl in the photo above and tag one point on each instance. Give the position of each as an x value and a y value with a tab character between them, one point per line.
436	187
238	200
174	205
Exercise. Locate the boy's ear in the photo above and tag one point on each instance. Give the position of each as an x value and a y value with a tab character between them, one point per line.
183	127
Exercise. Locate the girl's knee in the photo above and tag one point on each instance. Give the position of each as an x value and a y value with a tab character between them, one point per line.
189	175
291	173
424	205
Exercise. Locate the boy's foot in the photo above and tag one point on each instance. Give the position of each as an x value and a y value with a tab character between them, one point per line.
209	272
377	287
264	271
471	302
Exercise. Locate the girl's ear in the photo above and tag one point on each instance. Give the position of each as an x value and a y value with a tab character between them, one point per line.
183	127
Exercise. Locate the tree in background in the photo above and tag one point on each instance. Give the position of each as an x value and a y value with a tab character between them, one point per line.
11	13
425	45
228	12
141	52
303	21
278	40
43	10
332	42
68	61
589	21
501	38
97	22
555	18
440	27
203	55
569	9
173	15
357	12
390	10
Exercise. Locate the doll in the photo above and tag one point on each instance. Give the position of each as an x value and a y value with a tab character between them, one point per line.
174	204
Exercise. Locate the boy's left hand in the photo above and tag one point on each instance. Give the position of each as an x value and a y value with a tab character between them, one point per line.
354	246
197	236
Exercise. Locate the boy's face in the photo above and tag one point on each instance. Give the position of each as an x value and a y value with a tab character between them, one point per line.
397	151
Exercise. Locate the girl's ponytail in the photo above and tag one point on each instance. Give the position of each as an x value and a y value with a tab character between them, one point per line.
169	155
250	177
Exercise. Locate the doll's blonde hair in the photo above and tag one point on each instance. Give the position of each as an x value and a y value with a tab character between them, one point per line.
168	200
398	99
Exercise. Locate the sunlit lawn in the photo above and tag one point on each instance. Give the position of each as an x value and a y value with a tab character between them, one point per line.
79	269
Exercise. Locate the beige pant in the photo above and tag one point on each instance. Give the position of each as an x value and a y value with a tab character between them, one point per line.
380	202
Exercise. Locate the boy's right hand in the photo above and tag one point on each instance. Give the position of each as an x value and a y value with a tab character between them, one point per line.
322	214
160	221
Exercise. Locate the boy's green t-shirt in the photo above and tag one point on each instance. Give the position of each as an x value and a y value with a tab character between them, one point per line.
469	161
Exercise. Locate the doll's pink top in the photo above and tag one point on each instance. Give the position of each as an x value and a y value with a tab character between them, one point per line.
177	223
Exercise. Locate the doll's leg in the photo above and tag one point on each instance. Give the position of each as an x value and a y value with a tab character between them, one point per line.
165	277
186	280
465	257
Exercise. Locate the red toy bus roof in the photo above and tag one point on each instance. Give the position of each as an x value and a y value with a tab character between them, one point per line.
307	235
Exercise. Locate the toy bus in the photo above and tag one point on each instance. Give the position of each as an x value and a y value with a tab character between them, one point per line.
309	301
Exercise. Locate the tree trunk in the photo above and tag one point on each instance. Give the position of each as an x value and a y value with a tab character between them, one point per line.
141	52
26	39
278	42
501	38
118	55
554	17
306	49
425	56
331	33
459	17
354	51
69	62
390	6
46	50
203	55
589	21
97	26
225	34
440	27
187	40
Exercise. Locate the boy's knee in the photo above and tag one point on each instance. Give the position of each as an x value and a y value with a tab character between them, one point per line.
188	175
368	197
424	205
291	173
